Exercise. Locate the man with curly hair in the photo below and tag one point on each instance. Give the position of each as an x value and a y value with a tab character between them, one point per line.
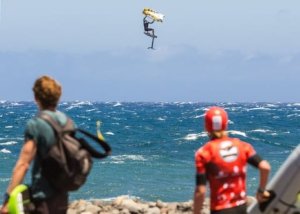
39	137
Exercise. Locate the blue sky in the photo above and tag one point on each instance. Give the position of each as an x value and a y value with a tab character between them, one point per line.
206	51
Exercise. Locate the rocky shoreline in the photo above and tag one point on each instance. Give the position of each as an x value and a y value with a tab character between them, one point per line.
127	205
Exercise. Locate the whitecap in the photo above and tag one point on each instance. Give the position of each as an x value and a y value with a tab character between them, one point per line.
8	127
195	136
293	115
161	119
128	157
78	104
89	110
70	107
296	104
199	116
259	108
17	104
271	105
117	104
109	133
230	122
8	143
237	133
117	162
5	151
261	130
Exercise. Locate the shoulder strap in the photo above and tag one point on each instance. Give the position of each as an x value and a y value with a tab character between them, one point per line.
58	130
55	125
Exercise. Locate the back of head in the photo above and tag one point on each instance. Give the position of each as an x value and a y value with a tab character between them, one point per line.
216	121
47	91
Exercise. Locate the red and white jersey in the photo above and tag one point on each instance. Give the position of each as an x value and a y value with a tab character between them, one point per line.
224	163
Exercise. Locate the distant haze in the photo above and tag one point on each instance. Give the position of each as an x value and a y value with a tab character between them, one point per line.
206	51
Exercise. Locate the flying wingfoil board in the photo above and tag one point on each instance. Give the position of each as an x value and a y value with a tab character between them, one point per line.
159	17
284	188
19	200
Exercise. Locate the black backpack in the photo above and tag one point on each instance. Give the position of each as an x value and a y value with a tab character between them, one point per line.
69	161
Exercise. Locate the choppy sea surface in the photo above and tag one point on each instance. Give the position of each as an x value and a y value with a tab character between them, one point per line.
154	143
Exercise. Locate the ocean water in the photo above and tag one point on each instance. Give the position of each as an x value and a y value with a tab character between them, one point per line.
154	143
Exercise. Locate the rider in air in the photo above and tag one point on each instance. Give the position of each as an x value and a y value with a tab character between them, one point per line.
146	26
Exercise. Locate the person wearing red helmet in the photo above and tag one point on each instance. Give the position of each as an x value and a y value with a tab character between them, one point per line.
222	162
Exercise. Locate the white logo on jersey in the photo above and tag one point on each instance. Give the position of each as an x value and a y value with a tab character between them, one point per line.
228	152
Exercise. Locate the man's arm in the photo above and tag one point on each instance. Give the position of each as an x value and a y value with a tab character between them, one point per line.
26	156
264	171
201	157
199	197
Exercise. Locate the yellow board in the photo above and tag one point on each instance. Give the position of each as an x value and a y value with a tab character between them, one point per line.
153	14
19	200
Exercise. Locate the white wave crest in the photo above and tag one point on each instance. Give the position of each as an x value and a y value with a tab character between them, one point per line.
79	104
89	110
199	116
237	133
259	108
5	151
260	130
8	143
17	104
161	119
271	105
109	133
195	136
117	104
293	115
230	122
8	127
128	157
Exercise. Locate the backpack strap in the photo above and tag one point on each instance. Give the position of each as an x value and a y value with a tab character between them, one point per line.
55	125
58	132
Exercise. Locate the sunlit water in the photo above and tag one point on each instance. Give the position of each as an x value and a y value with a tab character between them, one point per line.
154	143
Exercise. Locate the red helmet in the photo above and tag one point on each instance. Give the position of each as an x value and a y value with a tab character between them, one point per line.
216	119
